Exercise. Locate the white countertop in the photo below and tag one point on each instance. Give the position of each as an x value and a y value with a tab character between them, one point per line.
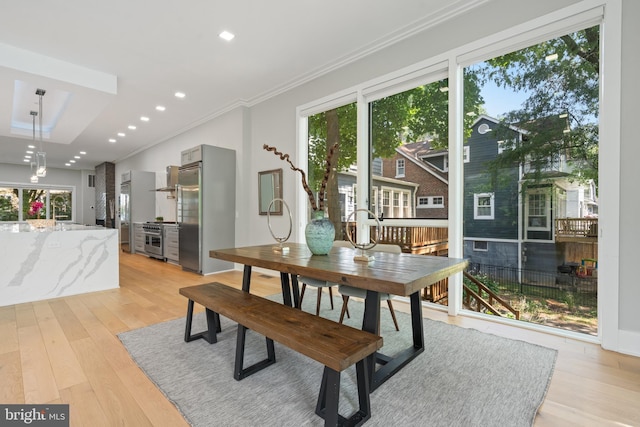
61	226
50	263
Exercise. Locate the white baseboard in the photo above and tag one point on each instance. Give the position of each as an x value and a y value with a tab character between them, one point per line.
629	343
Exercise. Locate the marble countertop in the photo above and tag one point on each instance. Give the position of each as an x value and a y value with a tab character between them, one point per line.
62	226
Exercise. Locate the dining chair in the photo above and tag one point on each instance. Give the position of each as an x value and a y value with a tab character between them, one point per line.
321	284
349	291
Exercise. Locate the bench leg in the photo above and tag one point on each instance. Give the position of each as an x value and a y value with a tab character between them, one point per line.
213	326
239	372
328	398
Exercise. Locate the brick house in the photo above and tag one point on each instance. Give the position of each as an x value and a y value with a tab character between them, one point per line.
418	163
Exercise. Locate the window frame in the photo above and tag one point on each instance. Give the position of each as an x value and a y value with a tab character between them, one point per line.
478	249
547	210
47	188
400	162
431	202
451	62
476	206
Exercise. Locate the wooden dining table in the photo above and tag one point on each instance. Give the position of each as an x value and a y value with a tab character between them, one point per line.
396	274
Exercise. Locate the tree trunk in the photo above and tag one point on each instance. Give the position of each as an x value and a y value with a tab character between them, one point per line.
332	196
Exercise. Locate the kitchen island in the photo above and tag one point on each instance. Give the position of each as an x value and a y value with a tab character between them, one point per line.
50	262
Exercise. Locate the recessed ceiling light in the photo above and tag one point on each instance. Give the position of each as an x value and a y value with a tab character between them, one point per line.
121	135
160	108
76	157
29	152
180	94
72	161
67	164
26	160
83	152
27	157
31	146
111	140
132	127
226	35
144	118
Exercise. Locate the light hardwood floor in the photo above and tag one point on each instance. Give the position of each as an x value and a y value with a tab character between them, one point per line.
66	350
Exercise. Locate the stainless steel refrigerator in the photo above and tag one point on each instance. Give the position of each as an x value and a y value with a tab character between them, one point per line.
206	207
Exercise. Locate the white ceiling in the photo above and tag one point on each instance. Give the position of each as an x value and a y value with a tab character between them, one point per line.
116	60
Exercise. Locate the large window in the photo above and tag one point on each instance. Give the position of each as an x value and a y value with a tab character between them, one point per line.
535	152
522	117
23	203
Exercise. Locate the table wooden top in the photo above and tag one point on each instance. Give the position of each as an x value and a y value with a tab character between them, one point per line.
397	274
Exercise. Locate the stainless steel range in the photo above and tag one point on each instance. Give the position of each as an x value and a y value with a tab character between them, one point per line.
153	240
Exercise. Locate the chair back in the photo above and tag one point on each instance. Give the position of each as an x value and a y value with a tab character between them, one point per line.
342	244
380	247
387	247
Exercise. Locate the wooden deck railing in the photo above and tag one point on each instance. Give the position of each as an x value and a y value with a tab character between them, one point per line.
414	240
577	227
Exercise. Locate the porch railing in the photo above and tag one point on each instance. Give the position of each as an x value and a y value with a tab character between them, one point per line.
415	240
577	227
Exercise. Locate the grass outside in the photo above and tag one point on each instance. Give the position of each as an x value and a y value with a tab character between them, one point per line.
573	311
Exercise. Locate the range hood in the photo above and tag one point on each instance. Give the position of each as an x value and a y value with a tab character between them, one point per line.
172	179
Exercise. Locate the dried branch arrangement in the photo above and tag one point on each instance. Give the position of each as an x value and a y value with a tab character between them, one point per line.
327	171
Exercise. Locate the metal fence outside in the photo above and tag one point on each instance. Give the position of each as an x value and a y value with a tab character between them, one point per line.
545	284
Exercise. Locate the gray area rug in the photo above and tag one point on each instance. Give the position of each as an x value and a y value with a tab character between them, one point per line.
463	378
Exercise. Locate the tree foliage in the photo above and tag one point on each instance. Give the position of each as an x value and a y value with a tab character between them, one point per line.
408	116
560	113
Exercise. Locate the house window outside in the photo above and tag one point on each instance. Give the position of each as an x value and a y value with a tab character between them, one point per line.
374	201
385	203
538	211
430	202
480	245
406	212
400	168
483	204
396	204
465	154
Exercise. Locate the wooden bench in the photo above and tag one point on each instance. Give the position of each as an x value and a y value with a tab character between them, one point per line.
335	346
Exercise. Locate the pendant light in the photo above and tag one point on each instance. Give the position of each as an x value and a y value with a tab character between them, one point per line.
34	177
41	156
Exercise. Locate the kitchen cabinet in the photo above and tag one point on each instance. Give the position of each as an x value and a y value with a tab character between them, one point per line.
191	155
138	237
171	243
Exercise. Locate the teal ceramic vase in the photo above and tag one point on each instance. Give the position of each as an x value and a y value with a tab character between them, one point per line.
319	233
